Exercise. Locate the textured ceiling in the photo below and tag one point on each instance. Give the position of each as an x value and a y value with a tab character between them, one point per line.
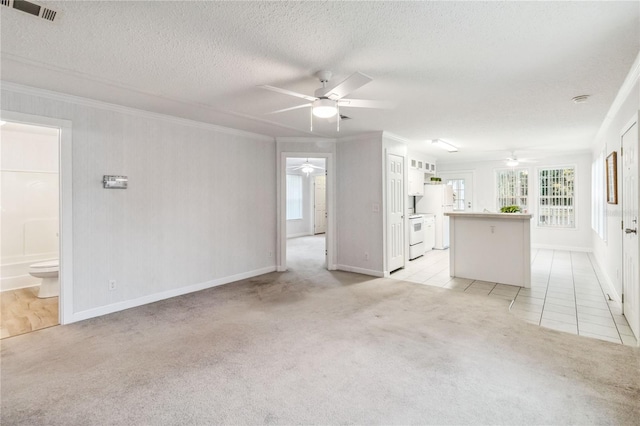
489	77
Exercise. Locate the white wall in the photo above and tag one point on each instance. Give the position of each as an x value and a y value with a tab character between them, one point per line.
199	210
608	251
485	195
360	185
29	218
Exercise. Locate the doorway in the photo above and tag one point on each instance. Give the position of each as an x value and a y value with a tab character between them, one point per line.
29	291
462	184
630	267
305	195
306	223
46	227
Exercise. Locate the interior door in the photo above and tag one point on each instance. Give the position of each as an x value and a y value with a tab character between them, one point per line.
462	184
630	283
395	212
320	204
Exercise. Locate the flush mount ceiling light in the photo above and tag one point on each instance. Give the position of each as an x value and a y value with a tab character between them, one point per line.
581	99
444	145
324	108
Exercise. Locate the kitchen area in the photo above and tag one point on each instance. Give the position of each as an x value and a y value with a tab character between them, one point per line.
428	200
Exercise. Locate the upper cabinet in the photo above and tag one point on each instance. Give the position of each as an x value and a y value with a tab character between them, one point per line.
420	171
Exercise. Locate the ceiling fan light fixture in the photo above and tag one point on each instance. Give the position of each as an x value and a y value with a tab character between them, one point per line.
444	145
512	162
324	108
307	169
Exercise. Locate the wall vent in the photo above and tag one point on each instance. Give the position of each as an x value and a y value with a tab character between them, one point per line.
31	8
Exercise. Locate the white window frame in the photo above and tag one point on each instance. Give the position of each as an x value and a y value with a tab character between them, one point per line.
498	197
294	201
574	197
598	202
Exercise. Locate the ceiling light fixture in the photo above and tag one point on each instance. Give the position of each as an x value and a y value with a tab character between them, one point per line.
324	108
307	168
512	162
444	145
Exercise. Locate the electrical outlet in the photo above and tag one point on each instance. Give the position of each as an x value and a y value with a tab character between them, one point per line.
366	256
112	285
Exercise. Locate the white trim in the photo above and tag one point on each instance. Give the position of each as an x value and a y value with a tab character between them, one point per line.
362	271
65	159
300	234
91	103
127	304
621	97
395	137
605	281
562	248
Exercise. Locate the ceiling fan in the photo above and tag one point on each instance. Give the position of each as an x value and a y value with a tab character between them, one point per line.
306	167
514	161
328	100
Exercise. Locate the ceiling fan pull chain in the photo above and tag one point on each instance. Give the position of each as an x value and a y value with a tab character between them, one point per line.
311	119
338	114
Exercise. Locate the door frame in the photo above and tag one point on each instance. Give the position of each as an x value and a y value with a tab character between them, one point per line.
65	194
281	213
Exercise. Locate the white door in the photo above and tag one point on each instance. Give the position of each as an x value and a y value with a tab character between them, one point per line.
462	184
395	212
320	204
630	283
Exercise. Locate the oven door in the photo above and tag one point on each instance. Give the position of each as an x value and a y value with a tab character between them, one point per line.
416	231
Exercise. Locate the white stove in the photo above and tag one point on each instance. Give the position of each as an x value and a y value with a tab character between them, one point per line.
416	236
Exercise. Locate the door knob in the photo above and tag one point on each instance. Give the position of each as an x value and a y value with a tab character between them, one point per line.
631	231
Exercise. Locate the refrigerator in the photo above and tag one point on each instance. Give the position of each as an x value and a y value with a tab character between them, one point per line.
437	200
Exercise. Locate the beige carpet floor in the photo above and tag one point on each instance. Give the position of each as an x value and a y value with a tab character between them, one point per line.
316	347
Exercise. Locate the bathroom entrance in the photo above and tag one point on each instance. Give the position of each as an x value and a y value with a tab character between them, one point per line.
30	224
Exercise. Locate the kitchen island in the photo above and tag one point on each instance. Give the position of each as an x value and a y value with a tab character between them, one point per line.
493	247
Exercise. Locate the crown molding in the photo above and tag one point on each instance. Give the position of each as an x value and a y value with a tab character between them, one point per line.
625	90
92	103
395	137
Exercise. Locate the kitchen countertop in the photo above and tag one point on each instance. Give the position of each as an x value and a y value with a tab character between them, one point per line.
487	215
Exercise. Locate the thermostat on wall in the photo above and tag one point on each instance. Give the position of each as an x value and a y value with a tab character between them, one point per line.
115	182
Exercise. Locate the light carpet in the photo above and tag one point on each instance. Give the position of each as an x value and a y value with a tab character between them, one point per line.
316	347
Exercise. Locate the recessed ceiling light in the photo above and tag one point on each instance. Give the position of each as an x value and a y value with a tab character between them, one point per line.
581	99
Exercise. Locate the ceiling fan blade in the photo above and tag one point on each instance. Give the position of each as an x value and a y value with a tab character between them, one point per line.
289	109
288	92
351	83
364	103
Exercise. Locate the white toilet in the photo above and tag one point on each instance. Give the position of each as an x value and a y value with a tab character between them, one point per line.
48	271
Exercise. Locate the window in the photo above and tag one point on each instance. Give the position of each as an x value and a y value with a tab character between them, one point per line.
556	198
598	197
294	197
513	188
458	193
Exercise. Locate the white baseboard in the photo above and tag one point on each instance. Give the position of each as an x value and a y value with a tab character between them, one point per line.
301	234
606	282
360	270
121	306
562	248
22	281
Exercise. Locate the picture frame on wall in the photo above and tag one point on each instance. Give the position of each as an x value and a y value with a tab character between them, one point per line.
611	171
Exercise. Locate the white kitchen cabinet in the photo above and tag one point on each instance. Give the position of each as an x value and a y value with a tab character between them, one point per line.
416	182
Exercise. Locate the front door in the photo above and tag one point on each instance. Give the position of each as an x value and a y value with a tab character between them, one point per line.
320	204
630	283
395	212
462	184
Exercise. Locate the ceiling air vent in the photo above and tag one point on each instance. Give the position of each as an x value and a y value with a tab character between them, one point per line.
31	9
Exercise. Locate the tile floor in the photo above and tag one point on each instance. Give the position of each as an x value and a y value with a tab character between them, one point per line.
565	293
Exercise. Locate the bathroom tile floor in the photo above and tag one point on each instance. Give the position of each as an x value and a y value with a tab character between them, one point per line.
21	311
565	293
